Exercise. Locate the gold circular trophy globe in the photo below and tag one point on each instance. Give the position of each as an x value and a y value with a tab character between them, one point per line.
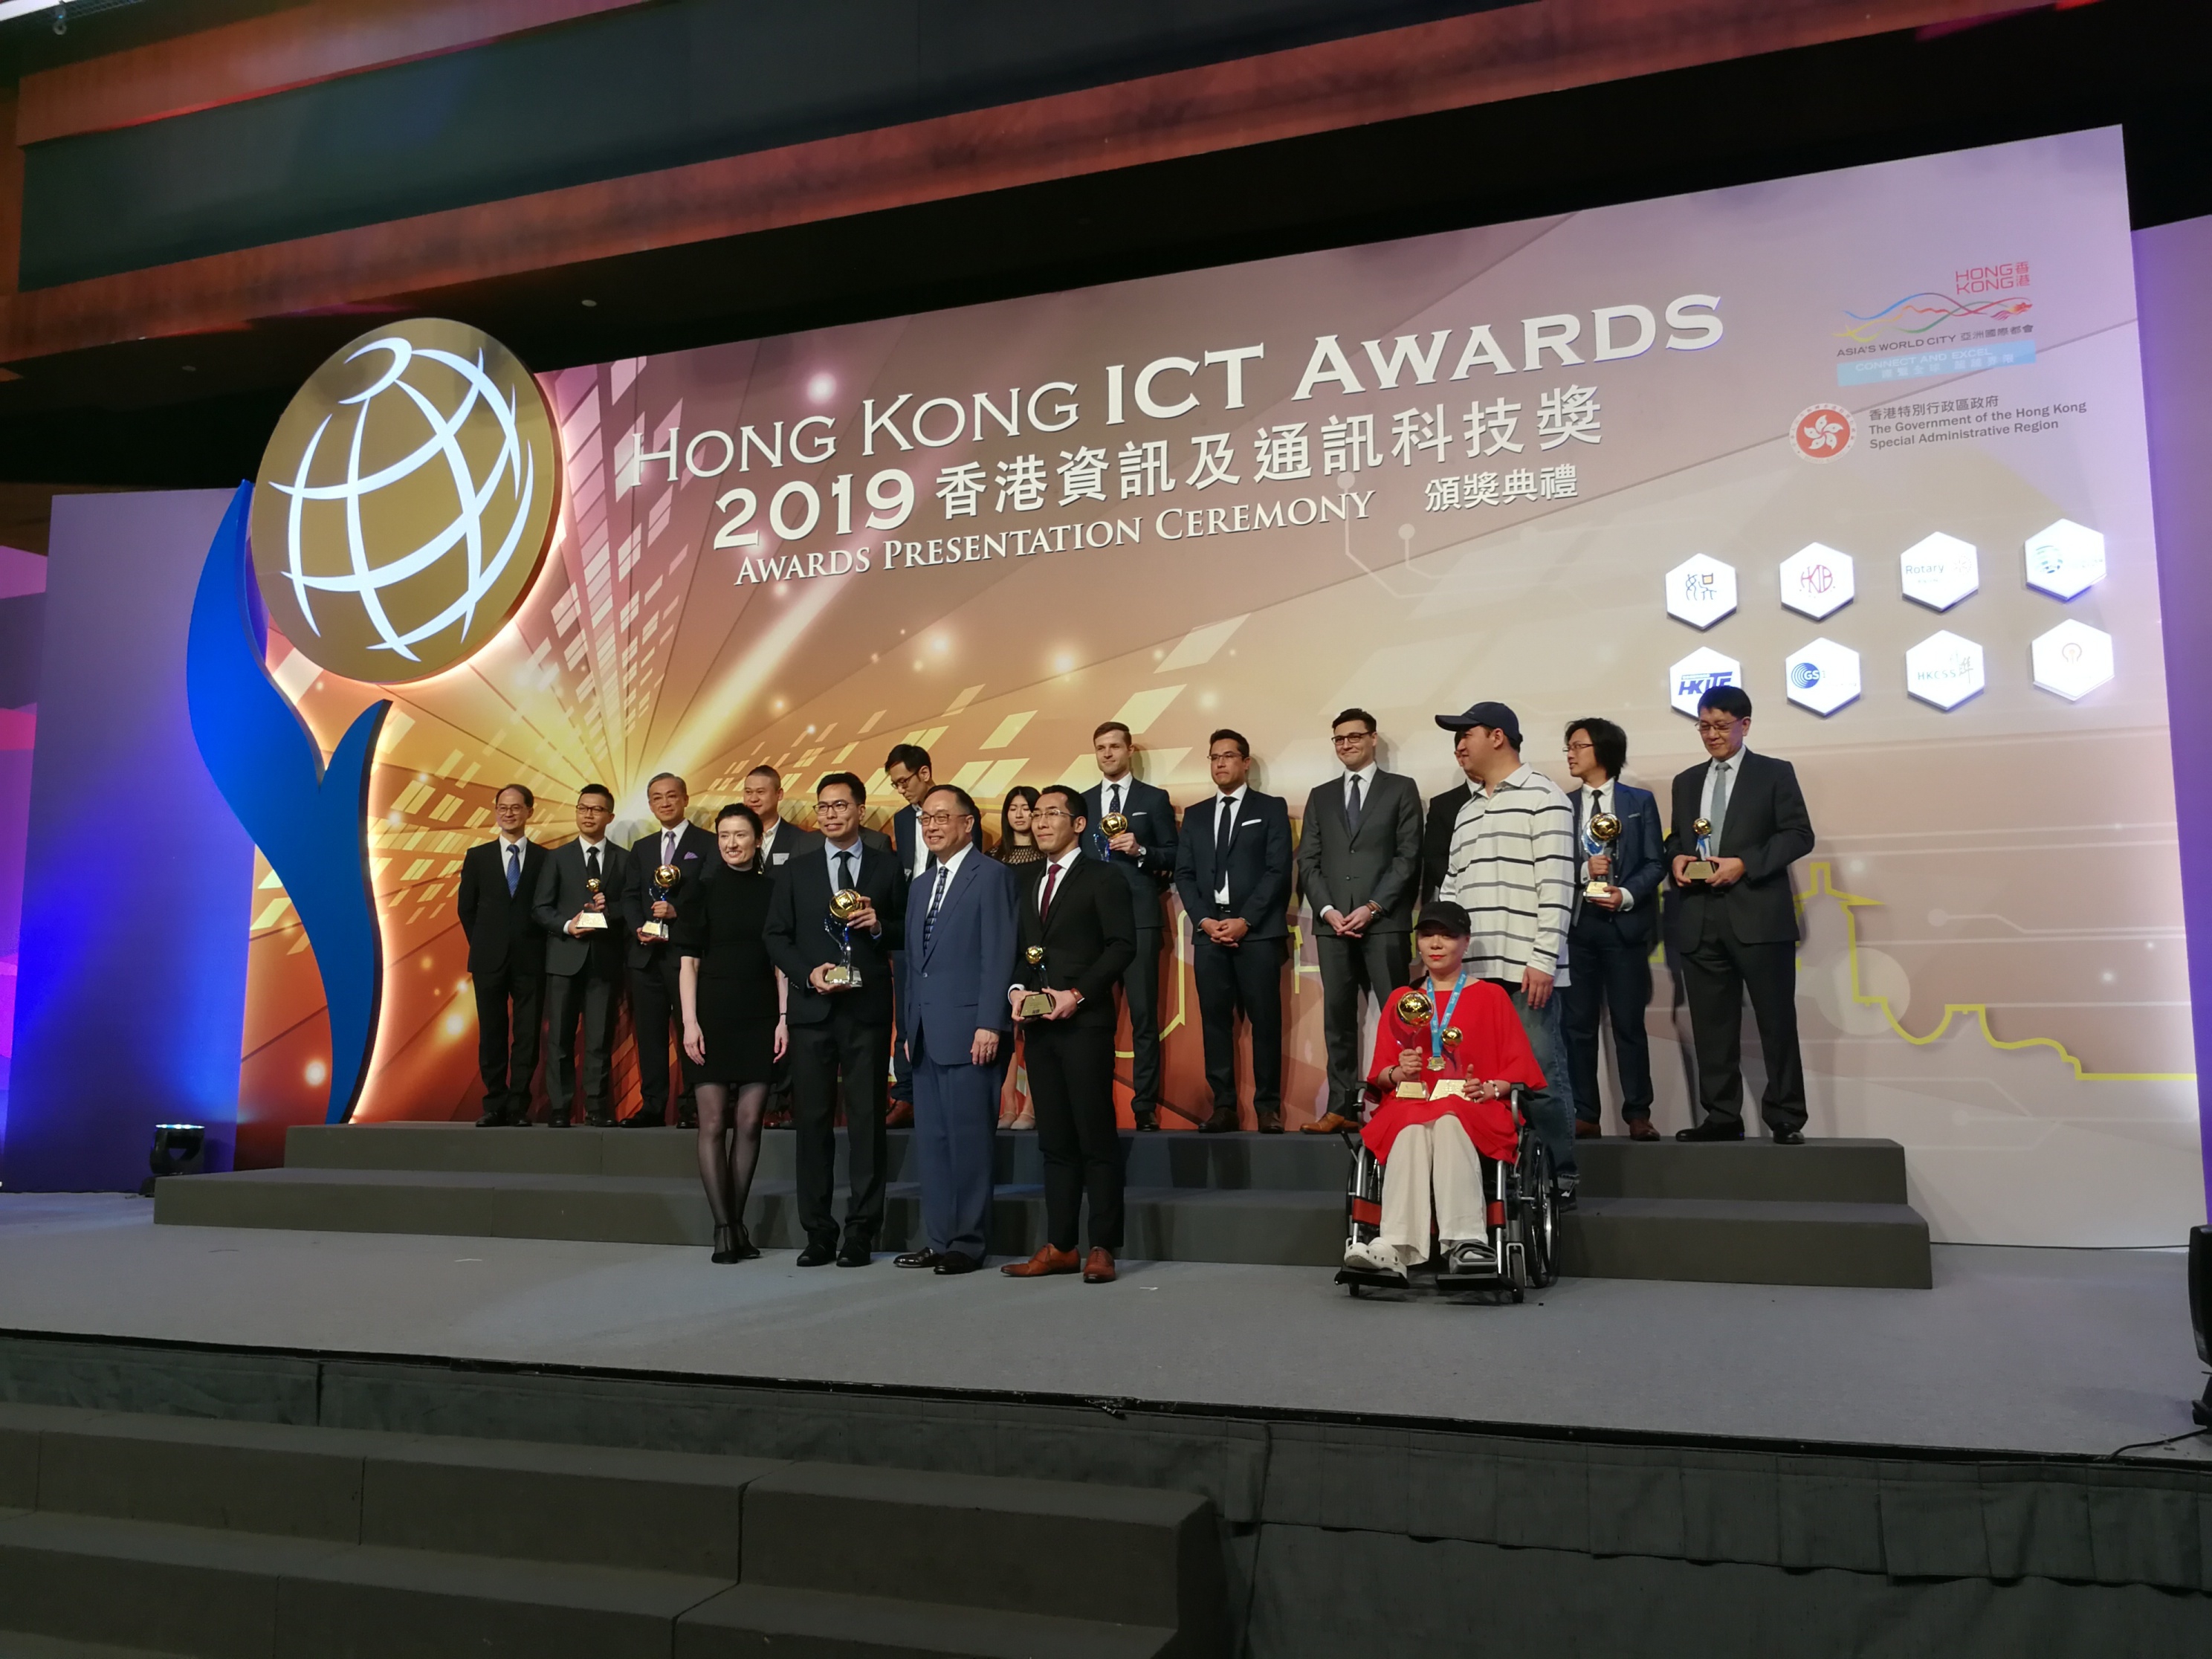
845	903
405	502
1114	824
1414	1006
667	877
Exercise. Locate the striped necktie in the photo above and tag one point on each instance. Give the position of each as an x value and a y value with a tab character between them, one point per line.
936	898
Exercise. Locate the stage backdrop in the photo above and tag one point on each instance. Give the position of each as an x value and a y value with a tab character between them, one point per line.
1870	443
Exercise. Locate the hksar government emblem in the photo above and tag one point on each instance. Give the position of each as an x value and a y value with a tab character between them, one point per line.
405	502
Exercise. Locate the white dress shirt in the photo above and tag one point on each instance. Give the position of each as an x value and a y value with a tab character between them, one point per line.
1597	799
833	852
1232	803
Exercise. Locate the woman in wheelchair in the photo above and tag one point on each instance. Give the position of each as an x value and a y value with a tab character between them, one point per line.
1449	1050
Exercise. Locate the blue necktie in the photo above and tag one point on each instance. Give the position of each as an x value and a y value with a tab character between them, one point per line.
936	898
513	868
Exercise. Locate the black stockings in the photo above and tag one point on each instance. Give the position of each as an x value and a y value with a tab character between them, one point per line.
728	1175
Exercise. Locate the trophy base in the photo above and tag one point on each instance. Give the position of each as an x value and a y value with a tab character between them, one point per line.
1413	1092
592	921
1596	890
1701	870
843	979
1036	1006
654	930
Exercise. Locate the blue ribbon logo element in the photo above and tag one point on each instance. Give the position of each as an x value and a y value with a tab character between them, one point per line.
311	822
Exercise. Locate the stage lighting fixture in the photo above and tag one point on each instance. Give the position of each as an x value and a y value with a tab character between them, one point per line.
178	1149
2199	1311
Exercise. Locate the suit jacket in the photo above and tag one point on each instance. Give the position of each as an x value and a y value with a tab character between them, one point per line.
906	836
502	928
791	841
1435	837
956	984
798	942
1638	864
562	894
1259	863
1341	869
695	854
1768	828
1151	817
1090	937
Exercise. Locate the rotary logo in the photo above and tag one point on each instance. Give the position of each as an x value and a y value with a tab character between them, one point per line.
405	502
1822	432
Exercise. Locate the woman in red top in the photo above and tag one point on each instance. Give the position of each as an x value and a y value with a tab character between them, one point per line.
1445	1078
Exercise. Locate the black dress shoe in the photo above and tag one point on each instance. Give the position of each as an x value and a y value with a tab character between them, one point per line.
1791	1138
493	1118
953	1262
1147	1123
922	1258
641	1120
559	1120
817	1255
726	1249
1223	1121
855	1253
597	1120
1711	1129
1272	1124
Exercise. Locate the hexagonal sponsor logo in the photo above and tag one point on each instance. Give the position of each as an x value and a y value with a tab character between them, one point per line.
1944	669
2072	659
1822	676
1817	581
1699	674
1938	571
2064	558
1701	590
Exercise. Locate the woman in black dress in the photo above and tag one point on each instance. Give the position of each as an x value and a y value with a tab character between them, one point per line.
733	1027
1016	844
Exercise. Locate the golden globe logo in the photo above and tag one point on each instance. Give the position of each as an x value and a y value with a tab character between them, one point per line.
405	502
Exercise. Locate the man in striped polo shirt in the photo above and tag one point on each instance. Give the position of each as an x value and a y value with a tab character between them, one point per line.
1512	865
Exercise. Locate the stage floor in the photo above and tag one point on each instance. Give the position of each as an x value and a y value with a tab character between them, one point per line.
2043	1352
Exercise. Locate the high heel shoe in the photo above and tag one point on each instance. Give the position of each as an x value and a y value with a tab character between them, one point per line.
725	1249
744	1248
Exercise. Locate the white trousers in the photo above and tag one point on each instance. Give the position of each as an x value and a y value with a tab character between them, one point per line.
1431	1157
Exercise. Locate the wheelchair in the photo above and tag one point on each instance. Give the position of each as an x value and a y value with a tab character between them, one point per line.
1522	1213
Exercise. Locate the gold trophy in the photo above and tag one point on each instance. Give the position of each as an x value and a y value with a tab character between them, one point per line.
1702	867
1113	824
1415	1008
1037	1004
1604	829
591	918
844	904
664	885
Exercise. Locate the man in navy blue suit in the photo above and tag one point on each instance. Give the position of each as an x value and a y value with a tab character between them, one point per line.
906	768
1233	871
1616	922
1144	853
957	1025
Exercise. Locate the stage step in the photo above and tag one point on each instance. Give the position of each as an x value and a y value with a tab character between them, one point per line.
1282	1226
1735	1240
210	1537
1820	1171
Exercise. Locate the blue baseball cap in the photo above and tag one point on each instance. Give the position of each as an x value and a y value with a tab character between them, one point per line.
1495	715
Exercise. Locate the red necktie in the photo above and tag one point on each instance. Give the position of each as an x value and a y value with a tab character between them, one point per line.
1044	902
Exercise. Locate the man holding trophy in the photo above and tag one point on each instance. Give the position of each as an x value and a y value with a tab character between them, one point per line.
576	894
1616	922
674	850
835	916
1739	822
1073	936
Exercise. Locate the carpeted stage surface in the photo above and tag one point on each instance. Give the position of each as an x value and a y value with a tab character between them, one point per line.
2046	1351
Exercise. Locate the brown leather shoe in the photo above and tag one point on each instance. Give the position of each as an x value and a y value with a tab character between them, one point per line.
1332	1123
1046	1261
900	1115
1641	1130
1586	1130
1225	1121
1098	1267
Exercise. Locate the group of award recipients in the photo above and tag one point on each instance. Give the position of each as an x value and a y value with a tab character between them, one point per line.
791	957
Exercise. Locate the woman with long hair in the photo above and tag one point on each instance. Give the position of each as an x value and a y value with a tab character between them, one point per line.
733	1025
1016	844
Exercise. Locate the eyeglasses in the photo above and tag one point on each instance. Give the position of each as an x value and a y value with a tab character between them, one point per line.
1343	737
1577	748
1716	728
929	818
1038	814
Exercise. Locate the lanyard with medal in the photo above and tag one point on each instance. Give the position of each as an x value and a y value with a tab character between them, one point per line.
1441	1031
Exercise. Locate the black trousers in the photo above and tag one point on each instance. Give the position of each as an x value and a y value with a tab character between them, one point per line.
656	1000
1716	972
1071	1068
506	1046
1609	970
1140	988
841	1047
588	997
1246	976
1375	964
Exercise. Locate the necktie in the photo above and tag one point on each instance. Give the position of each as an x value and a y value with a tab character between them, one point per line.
1044	902
1351	806
1116	806
668	847
936	898
592	863
513	868
844	870
1225	823
1719	814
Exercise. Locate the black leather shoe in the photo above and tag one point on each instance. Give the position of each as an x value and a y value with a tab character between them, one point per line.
855	1253
1791	1138
953	1262
922	1258
597	1120
1711	1129
1222	1122
726	1247
642	1120
1147	1123
492	1119
1563	1194
1272	1124
817	1255
560	1121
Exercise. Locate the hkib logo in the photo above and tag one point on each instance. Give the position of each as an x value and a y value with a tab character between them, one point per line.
1815	579
405	502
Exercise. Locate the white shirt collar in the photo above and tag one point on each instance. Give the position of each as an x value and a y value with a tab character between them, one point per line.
1734	763
833	852
506	840
587	843
952	862
1366	776
1073	852
1234	797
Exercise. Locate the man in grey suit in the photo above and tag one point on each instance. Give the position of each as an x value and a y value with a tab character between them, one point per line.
581	881
1359	856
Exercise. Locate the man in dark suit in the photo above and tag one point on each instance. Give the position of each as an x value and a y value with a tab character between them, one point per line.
1444	814
1609	941
1233	871
1737	932
1359	858
838	1034
1144	853
577	911
907	769
781	841
507	955
656	1005
958	1026
1076	911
